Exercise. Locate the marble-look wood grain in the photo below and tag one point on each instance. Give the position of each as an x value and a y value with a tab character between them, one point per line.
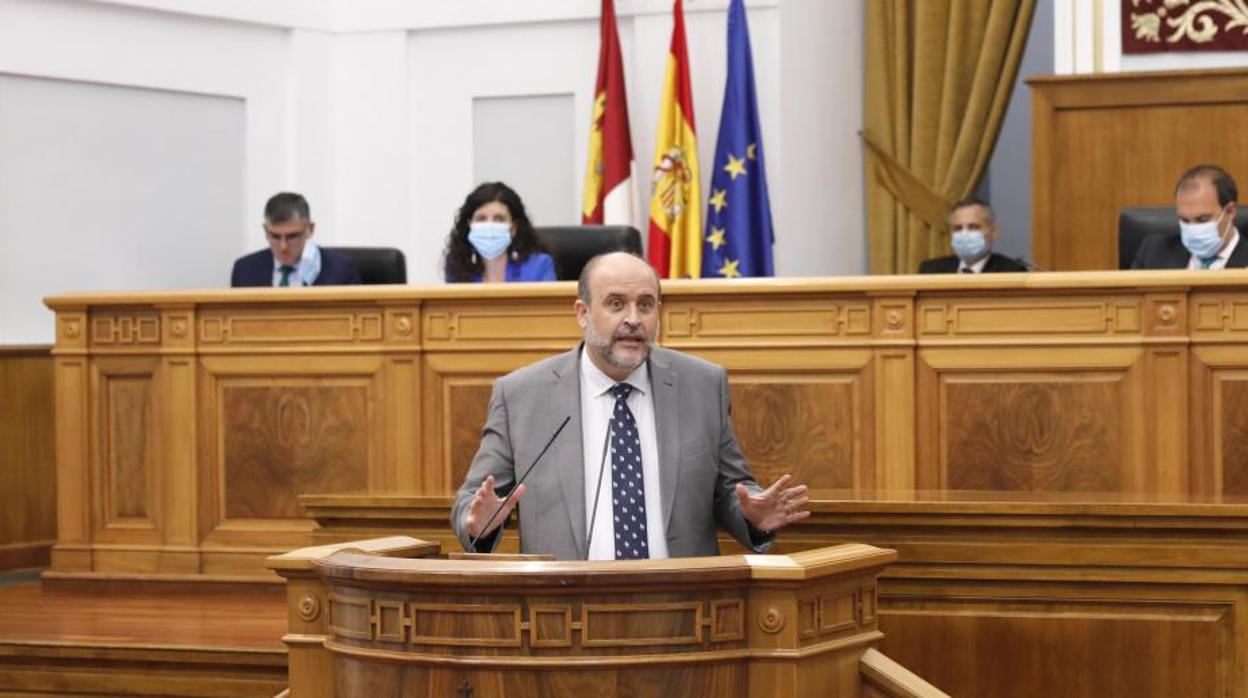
1041	435
806	428
289	439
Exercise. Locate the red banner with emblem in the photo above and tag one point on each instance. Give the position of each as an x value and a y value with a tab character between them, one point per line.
1156	26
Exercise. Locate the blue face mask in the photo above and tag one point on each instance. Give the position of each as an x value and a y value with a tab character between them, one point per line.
489	239
1202	239
969	245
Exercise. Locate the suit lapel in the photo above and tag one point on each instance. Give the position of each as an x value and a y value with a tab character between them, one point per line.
1239	256
663	380
568	453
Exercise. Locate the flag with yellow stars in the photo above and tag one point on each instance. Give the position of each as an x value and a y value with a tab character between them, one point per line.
739	234
674	245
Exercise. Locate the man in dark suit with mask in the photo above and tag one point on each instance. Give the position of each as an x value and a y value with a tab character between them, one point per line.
1205	201
292	258
972	228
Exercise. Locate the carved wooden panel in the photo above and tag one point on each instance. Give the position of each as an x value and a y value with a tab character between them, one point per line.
128	428
1219	314
501	324
1012	317
1151	649
1033	433
798	320
1232	430
639	625
466	402
289	437
269	326
123	329
809	427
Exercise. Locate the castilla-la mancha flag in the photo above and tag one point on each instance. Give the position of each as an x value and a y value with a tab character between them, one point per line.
675	240
609	174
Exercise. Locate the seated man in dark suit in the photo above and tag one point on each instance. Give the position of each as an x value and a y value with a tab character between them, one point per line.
972	228
292	258
1204	200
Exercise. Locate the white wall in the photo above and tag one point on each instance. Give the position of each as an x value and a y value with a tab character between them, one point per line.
365	106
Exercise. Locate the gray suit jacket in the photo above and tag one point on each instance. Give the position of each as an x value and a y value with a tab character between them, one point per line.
700	461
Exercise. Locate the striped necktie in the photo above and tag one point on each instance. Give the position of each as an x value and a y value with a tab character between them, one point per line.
286	270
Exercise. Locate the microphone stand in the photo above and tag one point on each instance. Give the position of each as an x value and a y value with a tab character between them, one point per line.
602	466
503	505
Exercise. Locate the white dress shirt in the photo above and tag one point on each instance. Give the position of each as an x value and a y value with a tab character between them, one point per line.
1220	261
307	269
597	404
977	267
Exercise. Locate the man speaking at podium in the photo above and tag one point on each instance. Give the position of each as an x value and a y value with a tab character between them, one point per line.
671	471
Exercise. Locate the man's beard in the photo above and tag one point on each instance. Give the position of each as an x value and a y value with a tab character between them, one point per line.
603	347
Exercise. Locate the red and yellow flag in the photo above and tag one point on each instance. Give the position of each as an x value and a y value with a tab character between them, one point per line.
675	240
608	196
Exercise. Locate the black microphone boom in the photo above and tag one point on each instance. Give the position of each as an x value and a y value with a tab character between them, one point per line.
602	466
503	505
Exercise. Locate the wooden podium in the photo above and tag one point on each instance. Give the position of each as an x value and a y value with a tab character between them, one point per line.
383	617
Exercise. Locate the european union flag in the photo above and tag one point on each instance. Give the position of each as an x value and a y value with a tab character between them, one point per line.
738	236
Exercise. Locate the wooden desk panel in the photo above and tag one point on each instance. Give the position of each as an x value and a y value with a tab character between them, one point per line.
190	422
27	457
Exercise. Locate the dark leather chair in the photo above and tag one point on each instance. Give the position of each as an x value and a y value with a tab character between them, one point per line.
1138	222
377	265
572	246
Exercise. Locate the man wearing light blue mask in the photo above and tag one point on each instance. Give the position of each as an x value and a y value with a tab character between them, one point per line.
1205	202
972	228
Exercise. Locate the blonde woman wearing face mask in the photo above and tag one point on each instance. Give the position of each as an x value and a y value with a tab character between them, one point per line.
493	240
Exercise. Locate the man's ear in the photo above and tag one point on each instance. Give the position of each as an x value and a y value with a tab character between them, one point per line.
582	313
311	228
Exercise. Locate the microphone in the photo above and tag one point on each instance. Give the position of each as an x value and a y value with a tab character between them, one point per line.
503	505
602	466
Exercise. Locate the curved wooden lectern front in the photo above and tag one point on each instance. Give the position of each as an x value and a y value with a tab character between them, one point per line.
367	624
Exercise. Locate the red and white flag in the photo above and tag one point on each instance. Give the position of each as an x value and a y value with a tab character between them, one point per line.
608	194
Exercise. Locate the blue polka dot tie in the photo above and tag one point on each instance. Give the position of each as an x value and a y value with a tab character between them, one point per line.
628	487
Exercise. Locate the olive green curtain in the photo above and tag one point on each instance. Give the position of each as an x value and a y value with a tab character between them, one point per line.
938	79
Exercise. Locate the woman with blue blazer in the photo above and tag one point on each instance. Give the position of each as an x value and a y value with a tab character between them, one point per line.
493	240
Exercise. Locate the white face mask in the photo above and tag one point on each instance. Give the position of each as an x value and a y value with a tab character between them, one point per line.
969	245
1202	239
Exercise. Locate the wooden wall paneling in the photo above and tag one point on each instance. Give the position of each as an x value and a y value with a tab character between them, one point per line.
456	400
1106	141
409	370
126	470
27	457
806	412
894	332
1017	393
1076	640
1220	419
1218	406
178	438
72	552
1033	420
400	465
466	347
277	427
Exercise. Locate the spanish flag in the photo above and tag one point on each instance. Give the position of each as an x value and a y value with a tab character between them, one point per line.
608	196
675	240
